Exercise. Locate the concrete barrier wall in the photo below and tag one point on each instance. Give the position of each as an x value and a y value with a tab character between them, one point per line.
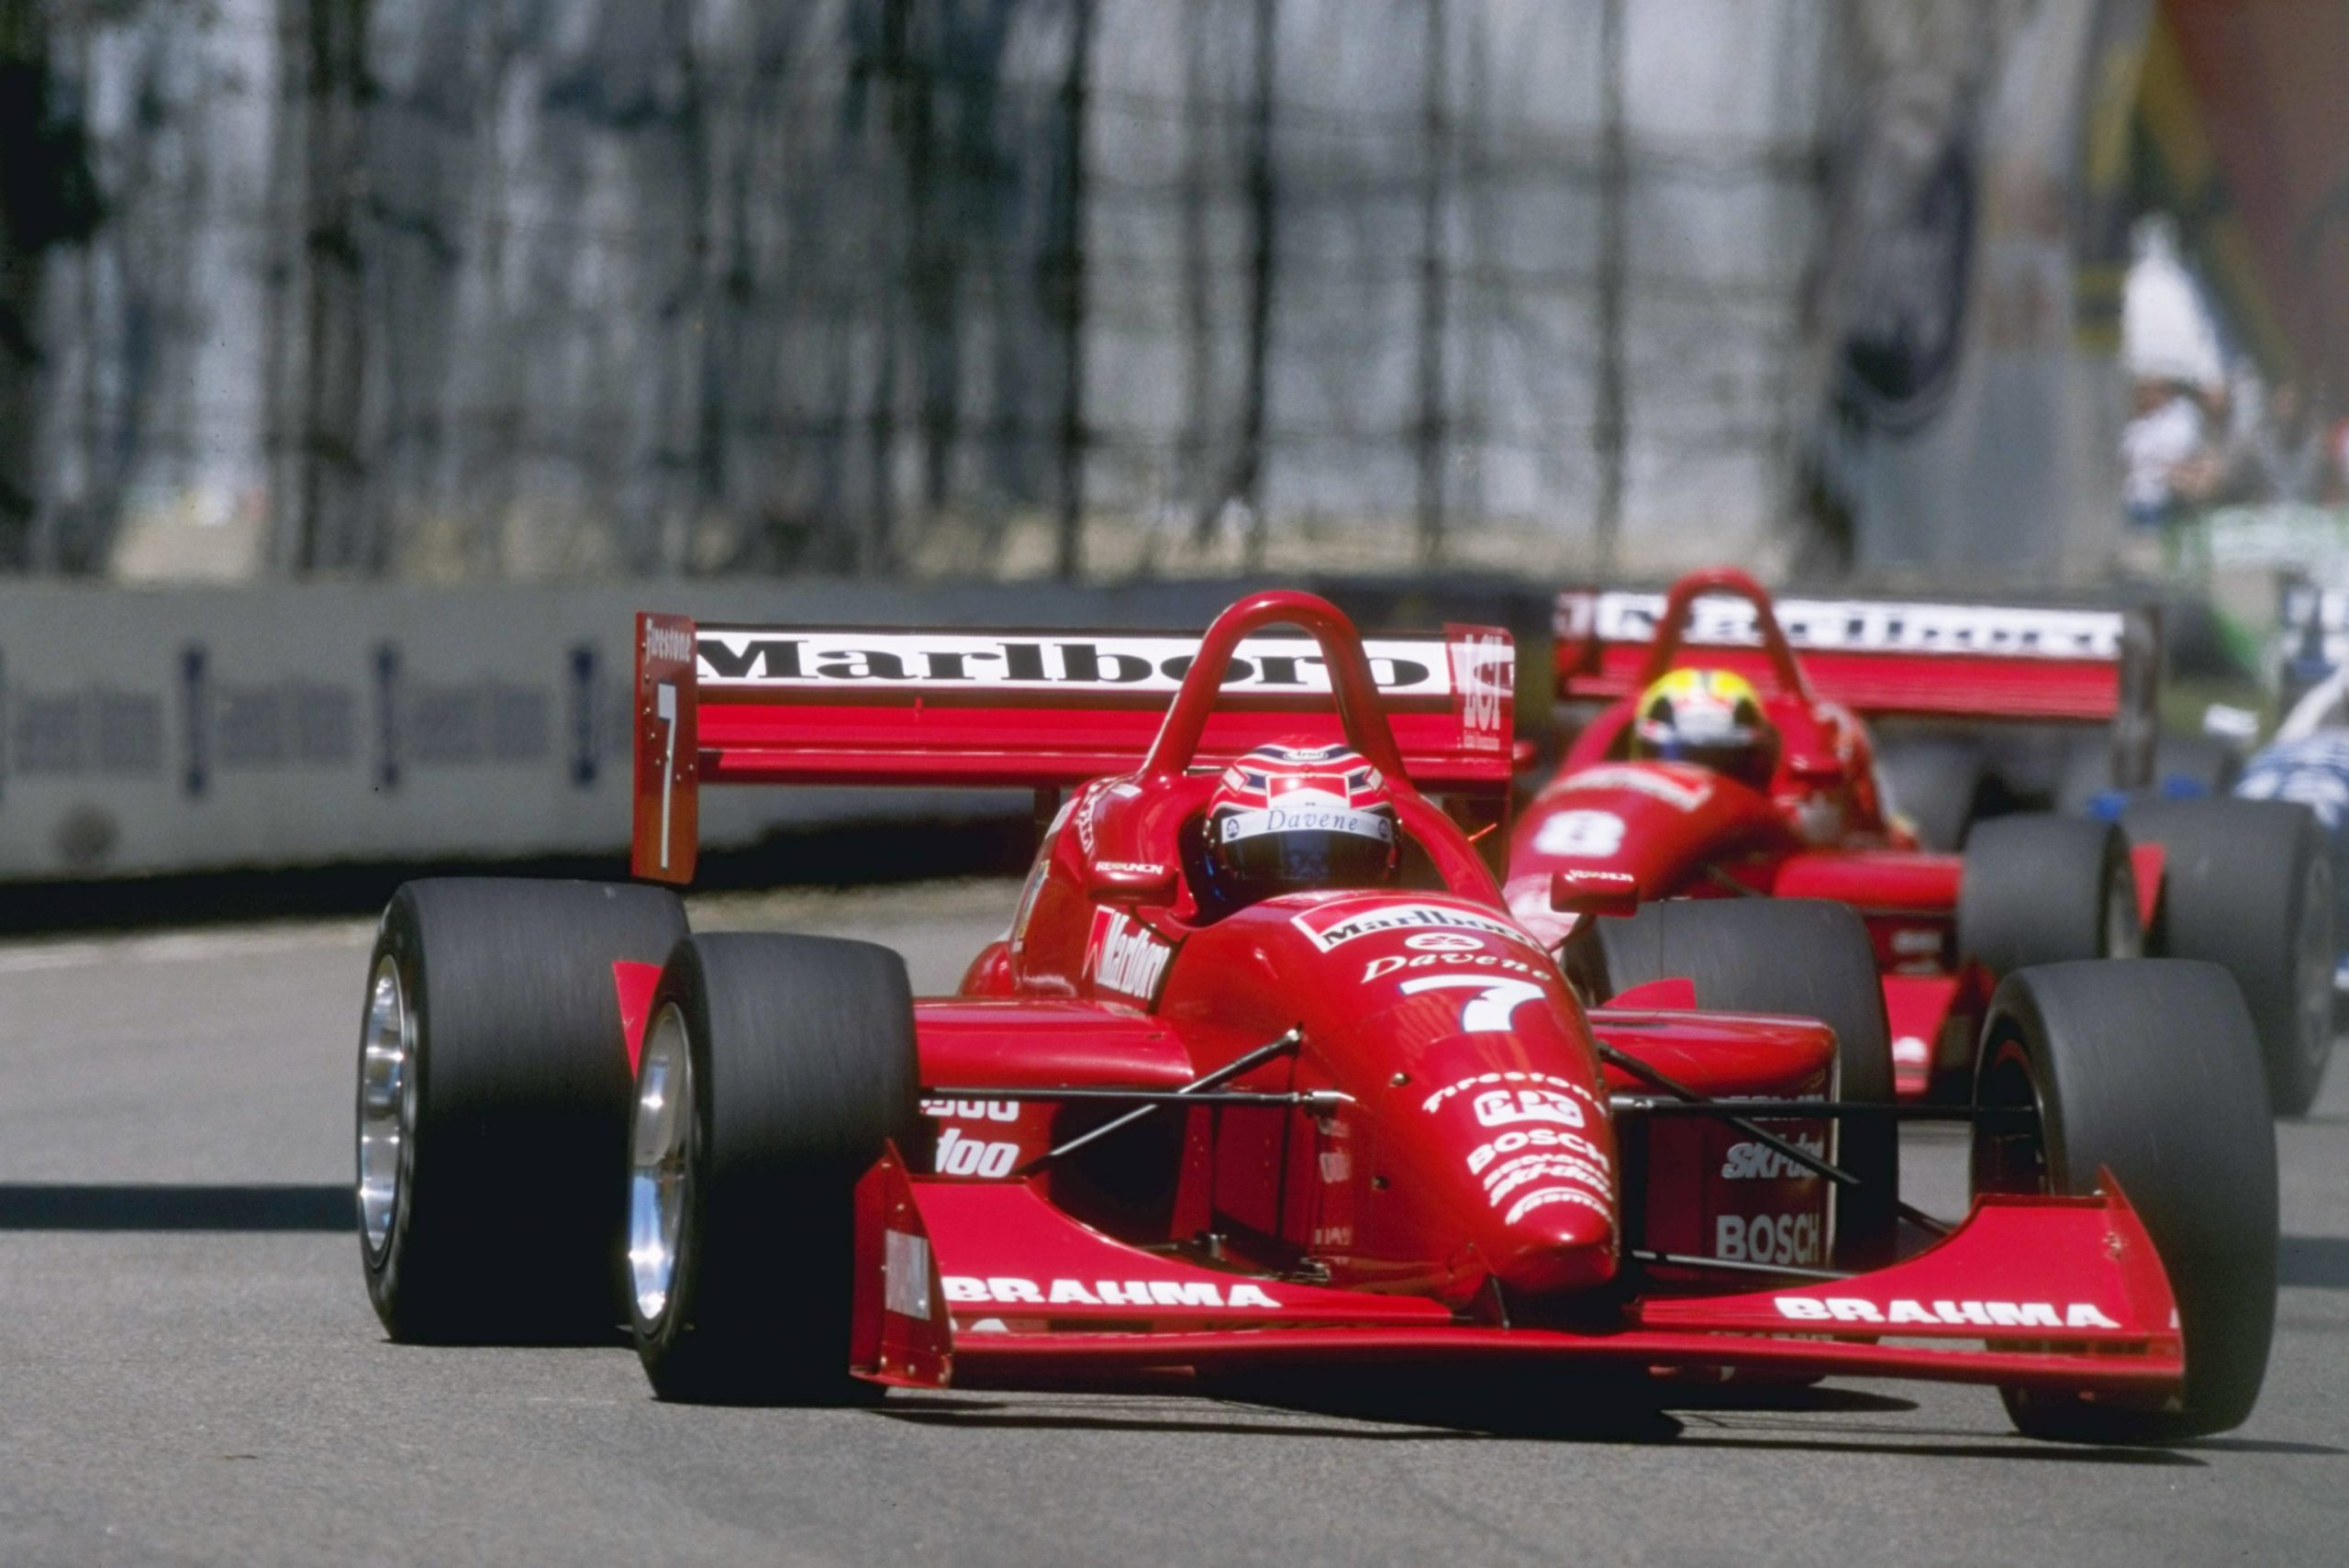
199	729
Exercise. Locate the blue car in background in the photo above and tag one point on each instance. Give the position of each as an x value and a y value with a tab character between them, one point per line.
2244	863
2308	762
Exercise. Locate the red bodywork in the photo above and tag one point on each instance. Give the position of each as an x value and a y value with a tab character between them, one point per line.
1821	829
1432	1165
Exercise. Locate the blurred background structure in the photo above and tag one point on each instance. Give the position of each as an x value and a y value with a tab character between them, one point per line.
1115	289
413	344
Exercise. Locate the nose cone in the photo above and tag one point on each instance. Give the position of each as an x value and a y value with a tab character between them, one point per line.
1536	1160
1555	1239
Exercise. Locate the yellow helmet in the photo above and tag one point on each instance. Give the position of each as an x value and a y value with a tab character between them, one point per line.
1712	718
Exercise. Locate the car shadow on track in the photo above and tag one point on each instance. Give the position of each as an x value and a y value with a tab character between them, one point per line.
1377	1404
1893	1444
1385	1409
1004	1416
87	1205
2265	1445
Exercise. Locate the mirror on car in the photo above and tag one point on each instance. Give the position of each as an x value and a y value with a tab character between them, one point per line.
1816	768
1581	891
1130	882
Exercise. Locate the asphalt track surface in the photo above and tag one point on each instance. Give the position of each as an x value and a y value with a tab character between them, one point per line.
191	1373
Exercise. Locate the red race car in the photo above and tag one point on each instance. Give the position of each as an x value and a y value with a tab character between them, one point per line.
1731	759
1263	1076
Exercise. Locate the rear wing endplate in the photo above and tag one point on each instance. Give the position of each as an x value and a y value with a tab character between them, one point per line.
720	704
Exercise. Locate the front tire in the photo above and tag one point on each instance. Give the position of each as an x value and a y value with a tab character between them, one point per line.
1802	958
2247	885
775	1070
492	1105
2149	1068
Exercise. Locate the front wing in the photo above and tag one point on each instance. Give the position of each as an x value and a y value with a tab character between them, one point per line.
985	1282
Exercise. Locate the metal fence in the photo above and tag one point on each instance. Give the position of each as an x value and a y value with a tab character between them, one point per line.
490	288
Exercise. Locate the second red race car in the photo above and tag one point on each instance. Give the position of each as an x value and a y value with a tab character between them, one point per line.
1731	759
1264	1076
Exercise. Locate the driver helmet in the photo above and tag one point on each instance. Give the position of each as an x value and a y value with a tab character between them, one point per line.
1712	718
1297	815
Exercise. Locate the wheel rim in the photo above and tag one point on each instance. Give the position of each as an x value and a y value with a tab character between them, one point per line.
2009	1152
2313	959
386	1106
2123	936
660	1163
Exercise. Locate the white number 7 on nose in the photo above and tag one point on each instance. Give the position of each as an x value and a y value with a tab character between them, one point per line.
1489	1011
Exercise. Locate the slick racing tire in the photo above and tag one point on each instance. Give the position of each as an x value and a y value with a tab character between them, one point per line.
2247	885
492	1105
2148	1068
2042	889
775	1069
1801	957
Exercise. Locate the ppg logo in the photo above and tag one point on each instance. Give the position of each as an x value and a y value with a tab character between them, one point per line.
1507	1107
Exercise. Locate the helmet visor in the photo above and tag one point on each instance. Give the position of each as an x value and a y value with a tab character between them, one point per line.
1748	756
1283	862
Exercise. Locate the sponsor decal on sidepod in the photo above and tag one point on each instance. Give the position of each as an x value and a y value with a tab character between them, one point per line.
1760	1163
971	1110
959	1155
1127	960
1767	1238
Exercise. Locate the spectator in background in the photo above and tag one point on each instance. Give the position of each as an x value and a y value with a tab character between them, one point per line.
2280	458
2163	452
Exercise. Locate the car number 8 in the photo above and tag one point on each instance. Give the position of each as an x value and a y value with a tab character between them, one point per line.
1596	834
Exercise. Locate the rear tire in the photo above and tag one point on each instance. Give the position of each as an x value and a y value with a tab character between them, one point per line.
796	1063
2247	885
1740	955
492	1105
2150	1069
2044	889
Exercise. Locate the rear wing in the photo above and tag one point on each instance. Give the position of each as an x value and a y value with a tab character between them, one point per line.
844	705
1881	657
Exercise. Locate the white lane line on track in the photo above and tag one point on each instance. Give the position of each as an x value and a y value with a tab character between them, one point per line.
181	947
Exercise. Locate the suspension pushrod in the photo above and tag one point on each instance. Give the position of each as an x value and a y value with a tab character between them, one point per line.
1311	1098
1689	1261
1923	1221
1807	1110
1246	1062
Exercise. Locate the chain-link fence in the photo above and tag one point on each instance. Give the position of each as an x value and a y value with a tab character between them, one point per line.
442	288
